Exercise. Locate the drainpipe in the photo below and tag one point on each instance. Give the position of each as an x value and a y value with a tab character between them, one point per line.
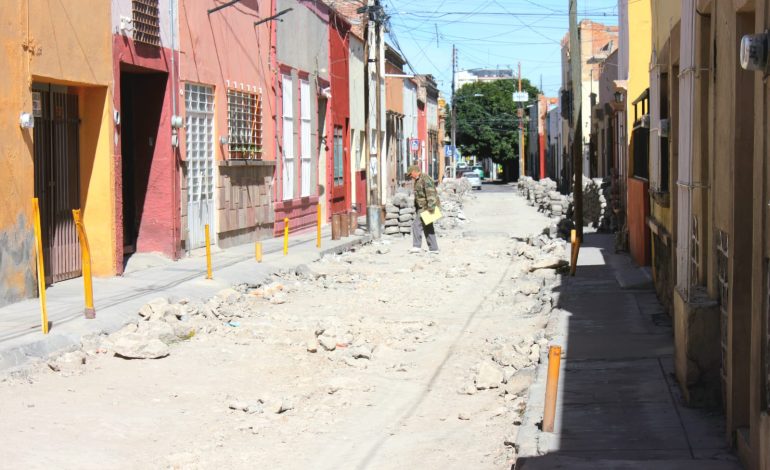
176	122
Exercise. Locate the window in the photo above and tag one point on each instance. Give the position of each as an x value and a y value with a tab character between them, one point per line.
339	167
288	138
146	21
306	148
694	252
640	136
640	142
723	286
244	124
199	145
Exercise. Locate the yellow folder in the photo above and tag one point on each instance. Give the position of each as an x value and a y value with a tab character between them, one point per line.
430	217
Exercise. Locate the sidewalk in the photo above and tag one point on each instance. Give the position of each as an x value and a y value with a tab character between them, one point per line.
618	405
118	299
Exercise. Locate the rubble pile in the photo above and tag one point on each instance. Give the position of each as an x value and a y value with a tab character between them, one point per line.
595	203
508	365
400	211
544	196
451	193
399	214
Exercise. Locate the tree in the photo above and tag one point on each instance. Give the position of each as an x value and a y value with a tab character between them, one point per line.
487	120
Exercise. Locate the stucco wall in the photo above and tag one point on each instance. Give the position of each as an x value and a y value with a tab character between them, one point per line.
639	28
64	43
292	45
226	51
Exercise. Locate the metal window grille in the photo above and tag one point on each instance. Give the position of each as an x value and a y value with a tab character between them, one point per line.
244	124
288	137
723	284
694	252
146	20
305	137
339	177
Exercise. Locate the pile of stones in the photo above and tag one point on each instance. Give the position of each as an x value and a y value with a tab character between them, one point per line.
451	193
400	211
399	214
544	196
595	211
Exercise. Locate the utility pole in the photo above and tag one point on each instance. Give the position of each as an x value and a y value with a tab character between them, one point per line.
367	146
378	104
373	11
454	116
522	168
577	112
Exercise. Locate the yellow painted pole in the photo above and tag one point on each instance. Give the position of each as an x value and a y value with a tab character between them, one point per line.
40	265
286	236
258	252
318	231
574	254
551	387
208	254
85	256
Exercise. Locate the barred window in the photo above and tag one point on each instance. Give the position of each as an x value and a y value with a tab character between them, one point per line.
146	21
244	124
723	285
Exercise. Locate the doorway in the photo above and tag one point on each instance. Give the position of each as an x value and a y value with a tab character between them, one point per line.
141	103
57	154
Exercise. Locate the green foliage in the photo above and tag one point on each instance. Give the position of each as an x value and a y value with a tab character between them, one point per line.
487	121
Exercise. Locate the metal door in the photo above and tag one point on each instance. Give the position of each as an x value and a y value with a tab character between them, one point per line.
199	147
339	175
57	151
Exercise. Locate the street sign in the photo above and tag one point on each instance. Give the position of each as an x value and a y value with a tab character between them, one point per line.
520	96
415	145
448	150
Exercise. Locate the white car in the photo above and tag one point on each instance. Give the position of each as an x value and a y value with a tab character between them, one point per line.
473	179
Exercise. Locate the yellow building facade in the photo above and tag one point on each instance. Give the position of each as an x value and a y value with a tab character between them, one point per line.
58	69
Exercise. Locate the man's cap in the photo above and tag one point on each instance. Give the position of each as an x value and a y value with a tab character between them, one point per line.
412	169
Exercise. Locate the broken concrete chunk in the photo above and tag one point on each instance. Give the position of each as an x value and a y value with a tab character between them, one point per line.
139	346
329	343
489	375
550	262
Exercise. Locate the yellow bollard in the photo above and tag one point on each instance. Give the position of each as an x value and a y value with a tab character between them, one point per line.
85	254
258	252
551	387
208	254
318	231
286	236
575	251
40	264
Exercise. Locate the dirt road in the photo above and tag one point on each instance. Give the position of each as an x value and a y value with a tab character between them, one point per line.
376	359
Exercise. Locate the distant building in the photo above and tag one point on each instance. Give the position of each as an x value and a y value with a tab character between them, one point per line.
463	77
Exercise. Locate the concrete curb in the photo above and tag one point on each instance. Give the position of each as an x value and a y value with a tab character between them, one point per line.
18	357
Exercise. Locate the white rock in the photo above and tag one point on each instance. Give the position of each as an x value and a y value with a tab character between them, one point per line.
361	352
489	375
329	343
549	262
138	346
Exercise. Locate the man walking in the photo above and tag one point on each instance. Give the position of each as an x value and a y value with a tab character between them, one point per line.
425	199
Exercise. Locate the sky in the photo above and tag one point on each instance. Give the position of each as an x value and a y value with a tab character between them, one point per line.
488	34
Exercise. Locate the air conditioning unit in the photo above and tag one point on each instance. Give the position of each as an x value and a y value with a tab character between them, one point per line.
645	121
665	128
